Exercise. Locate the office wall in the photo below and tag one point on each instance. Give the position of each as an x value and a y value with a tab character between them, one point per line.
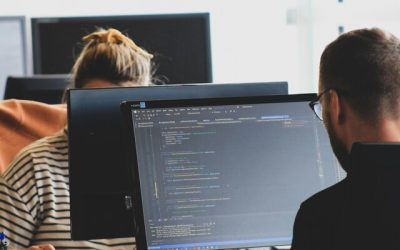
252	40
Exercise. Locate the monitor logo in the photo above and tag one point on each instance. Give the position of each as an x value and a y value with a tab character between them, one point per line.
142	105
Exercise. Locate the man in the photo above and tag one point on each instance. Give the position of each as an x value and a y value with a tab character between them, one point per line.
358	101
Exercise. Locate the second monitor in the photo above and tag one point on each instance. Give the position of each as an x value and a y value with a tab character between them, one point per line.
180	43
41	88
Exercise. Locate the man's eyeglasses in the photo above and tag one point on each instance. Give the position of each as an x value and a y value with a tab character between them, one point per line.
315	104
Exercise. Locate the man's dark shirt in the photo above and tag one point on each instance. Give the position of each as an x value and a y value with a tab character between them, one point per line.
360	212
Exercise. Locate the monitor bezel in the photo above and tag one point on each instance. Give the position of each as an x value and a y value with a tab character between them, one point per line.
37	21
139	221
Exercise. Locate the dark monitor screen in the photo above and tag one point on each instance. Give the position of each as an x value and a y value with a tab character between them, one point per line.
179	42
225	173
42	88
99	180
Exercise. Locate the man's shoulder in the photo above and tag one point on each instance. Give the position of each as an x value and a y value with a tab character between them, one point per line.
328	198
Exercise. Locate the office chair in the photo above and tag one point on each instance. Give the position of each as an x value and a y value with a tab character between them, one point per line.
42	88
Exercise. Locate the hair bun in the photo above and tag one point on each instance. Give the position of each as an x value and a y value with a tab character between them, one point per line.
105	36
113	36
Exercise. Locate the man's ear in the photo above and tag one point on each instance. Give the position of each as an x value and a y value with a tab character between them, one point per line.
336	108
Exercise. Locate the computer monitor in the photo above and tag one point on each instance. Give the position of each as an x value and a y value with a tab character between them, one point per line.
225	173
13	48
179	42
42	88
99	181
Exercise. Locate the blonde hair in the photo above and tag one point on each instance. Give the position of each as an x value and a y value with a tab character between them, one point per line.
111	56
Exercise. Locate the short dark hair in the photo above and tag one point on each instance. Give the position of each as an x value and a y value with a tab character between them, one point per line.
364	66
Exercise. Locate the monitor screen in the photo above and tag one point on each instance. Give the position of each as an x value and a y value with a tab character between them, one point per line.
96	151
226	172
13	48
180	43
42	88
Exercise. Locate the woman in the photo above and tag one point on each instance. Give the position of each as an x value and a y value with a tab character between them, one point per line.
34	191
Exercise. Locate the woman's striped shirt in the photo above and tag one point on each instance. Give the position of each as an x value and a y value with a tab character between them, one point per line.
34	199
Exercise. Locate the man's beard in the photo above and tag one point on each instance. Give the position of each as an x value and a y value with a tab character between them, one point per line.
338	146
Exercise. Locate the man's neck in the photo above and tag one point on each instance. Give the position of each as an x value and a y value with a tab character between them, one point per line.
385	130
